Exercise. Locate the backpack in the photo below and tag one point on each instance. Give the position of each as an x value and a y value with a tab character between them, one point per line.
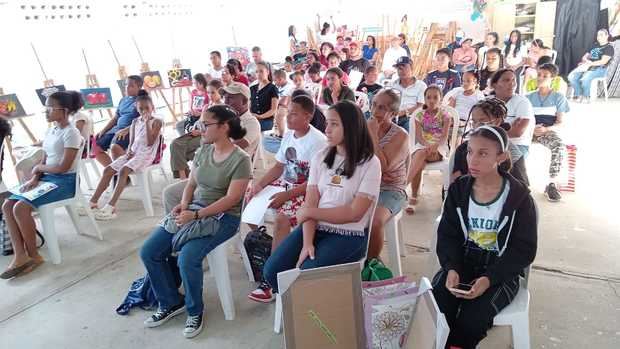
258	247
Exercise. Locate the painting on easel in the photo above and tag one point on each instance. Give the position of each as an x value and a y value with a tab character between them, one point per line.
239	53
97	98
122	85
45	92
10	107
152	80
180	77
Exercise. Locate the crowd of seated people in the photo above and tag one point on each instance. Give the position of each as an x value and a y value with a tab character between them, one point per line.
335	163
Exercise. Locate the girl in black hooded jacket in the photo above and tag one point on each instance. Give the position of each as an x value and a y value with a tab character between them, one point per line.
487	236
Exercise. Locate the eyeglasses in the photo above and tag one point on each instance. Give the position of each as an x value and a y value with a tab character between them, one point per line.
51	109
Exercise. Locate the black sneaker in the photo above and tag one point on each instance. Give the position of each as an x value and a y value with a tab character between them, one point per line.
552	193
193	326
161	316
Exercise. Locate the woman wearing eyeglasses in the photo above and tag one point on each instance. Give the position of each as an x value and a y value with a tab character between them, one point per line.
220	175
61	144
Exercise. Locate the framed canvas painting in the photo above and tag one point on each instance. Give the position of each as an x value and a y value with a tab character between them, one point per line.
122	85
240	53
152	80
180	77
97	98
322	308
45	92
10	107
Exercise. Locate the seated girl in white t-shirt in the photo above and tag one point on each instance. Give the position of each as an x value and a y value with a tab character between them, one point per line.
342	188
463	98
61	144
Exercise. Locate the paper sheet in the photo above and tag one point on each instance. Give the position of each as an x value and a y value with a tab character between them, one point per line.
355	77
254	212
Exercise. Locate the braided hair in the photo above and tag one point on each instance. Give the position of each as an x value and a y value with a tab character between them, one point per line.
495	108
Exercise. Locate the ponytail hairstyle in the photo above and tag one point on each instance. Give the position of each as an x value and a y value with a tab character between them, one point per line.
494	108
71	101
201	79
500	137
226	115
357	142
430	88
143	96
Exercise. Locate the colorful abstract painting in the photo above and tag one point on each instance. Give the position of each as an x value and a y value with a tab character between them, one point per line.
152	79
180	77
97	98
239	53
10	106
45	92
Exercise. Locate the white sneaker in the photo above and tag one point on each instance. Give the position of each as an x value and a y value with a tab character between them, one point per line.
83	211
106	213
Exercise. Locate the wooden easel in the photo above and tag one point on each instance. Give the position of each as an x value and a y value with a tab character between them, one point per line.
92	82
176	64
144	68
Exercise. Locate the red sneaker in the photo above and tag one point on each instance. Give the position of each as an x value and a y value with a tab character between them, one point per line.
262	294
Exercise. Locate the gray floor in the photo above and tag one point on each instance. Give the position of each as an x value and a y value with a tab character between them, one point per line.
575	283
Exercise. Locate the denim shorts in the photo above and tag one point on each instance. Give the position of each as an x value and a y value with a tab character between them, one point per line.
105	141
393	200
266	124
65	190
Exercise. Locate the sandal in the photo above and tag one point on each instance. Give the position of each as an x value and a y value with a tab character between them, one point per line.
13	272
83	211
107	213
35	264
411	206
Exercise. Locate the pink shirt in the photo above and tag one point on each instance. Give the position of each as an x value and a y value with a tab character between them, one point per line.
198	101
464	56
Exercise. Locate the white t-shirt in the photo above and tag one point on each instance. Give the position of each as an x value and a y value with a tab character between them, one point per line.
296	153
336	190
511	59
216	74
286	90
520	107
463	103
390	56
56	140
88	128
252	128
411	95
484	220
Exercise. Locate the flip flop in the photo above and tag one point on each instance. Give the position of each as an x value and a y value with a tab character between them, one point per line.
35	264
411	206
13	272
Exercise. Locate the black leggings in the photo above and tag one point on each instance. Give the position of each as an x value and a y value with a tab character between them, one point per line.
469	320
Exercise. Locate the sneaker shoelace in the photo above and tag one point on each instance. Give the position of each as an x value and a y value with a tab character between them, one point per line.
192	321
159	314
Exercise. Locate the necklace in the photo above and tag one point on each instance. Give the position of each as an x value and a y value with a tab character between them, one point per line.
336	177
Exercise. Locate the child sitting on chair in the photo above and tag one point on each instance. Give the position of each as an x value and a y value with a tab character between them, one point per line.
144	139
432	125
60	145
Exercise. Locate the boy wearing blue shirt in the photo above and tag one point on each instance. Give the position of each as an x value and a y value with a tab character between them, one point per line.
115	135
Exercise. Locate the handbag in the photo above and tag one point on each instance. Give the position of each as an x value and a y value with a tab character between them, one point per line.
375	270
258	247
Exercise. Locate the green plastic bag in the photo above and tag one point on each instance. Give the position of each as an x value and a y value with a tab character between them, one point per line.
375	270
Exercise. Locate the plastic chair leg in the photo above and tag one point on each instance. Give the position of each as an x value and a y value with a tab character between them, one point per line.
47	221
89	214
86	175
391	235
277	321
71	211
218	262
244	257
143	181
521	333
401	240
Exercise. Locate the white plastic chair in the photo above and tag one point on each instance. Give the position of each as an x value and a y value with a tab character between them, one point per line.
441	166
362	101
218	266
46	216
83	166
277	322
596	85
144	179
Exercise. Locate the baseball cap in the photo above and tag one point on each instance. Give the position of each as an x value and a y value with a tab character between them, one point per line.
236	88
403	60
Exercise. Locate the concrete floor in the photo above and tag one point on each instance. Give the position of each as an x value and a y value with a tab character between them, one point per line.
575	282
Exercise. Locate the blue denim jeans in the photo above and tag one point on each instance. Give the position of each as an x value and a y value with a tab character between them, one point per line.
330	249
403	121
581	81
157	249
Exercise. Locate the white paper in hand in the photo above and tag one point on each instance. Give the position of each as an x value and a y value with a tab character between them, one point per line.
41	189
254	212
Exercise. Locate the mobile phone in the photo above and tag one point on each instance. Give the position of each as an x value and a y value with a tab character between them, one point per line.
461	288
